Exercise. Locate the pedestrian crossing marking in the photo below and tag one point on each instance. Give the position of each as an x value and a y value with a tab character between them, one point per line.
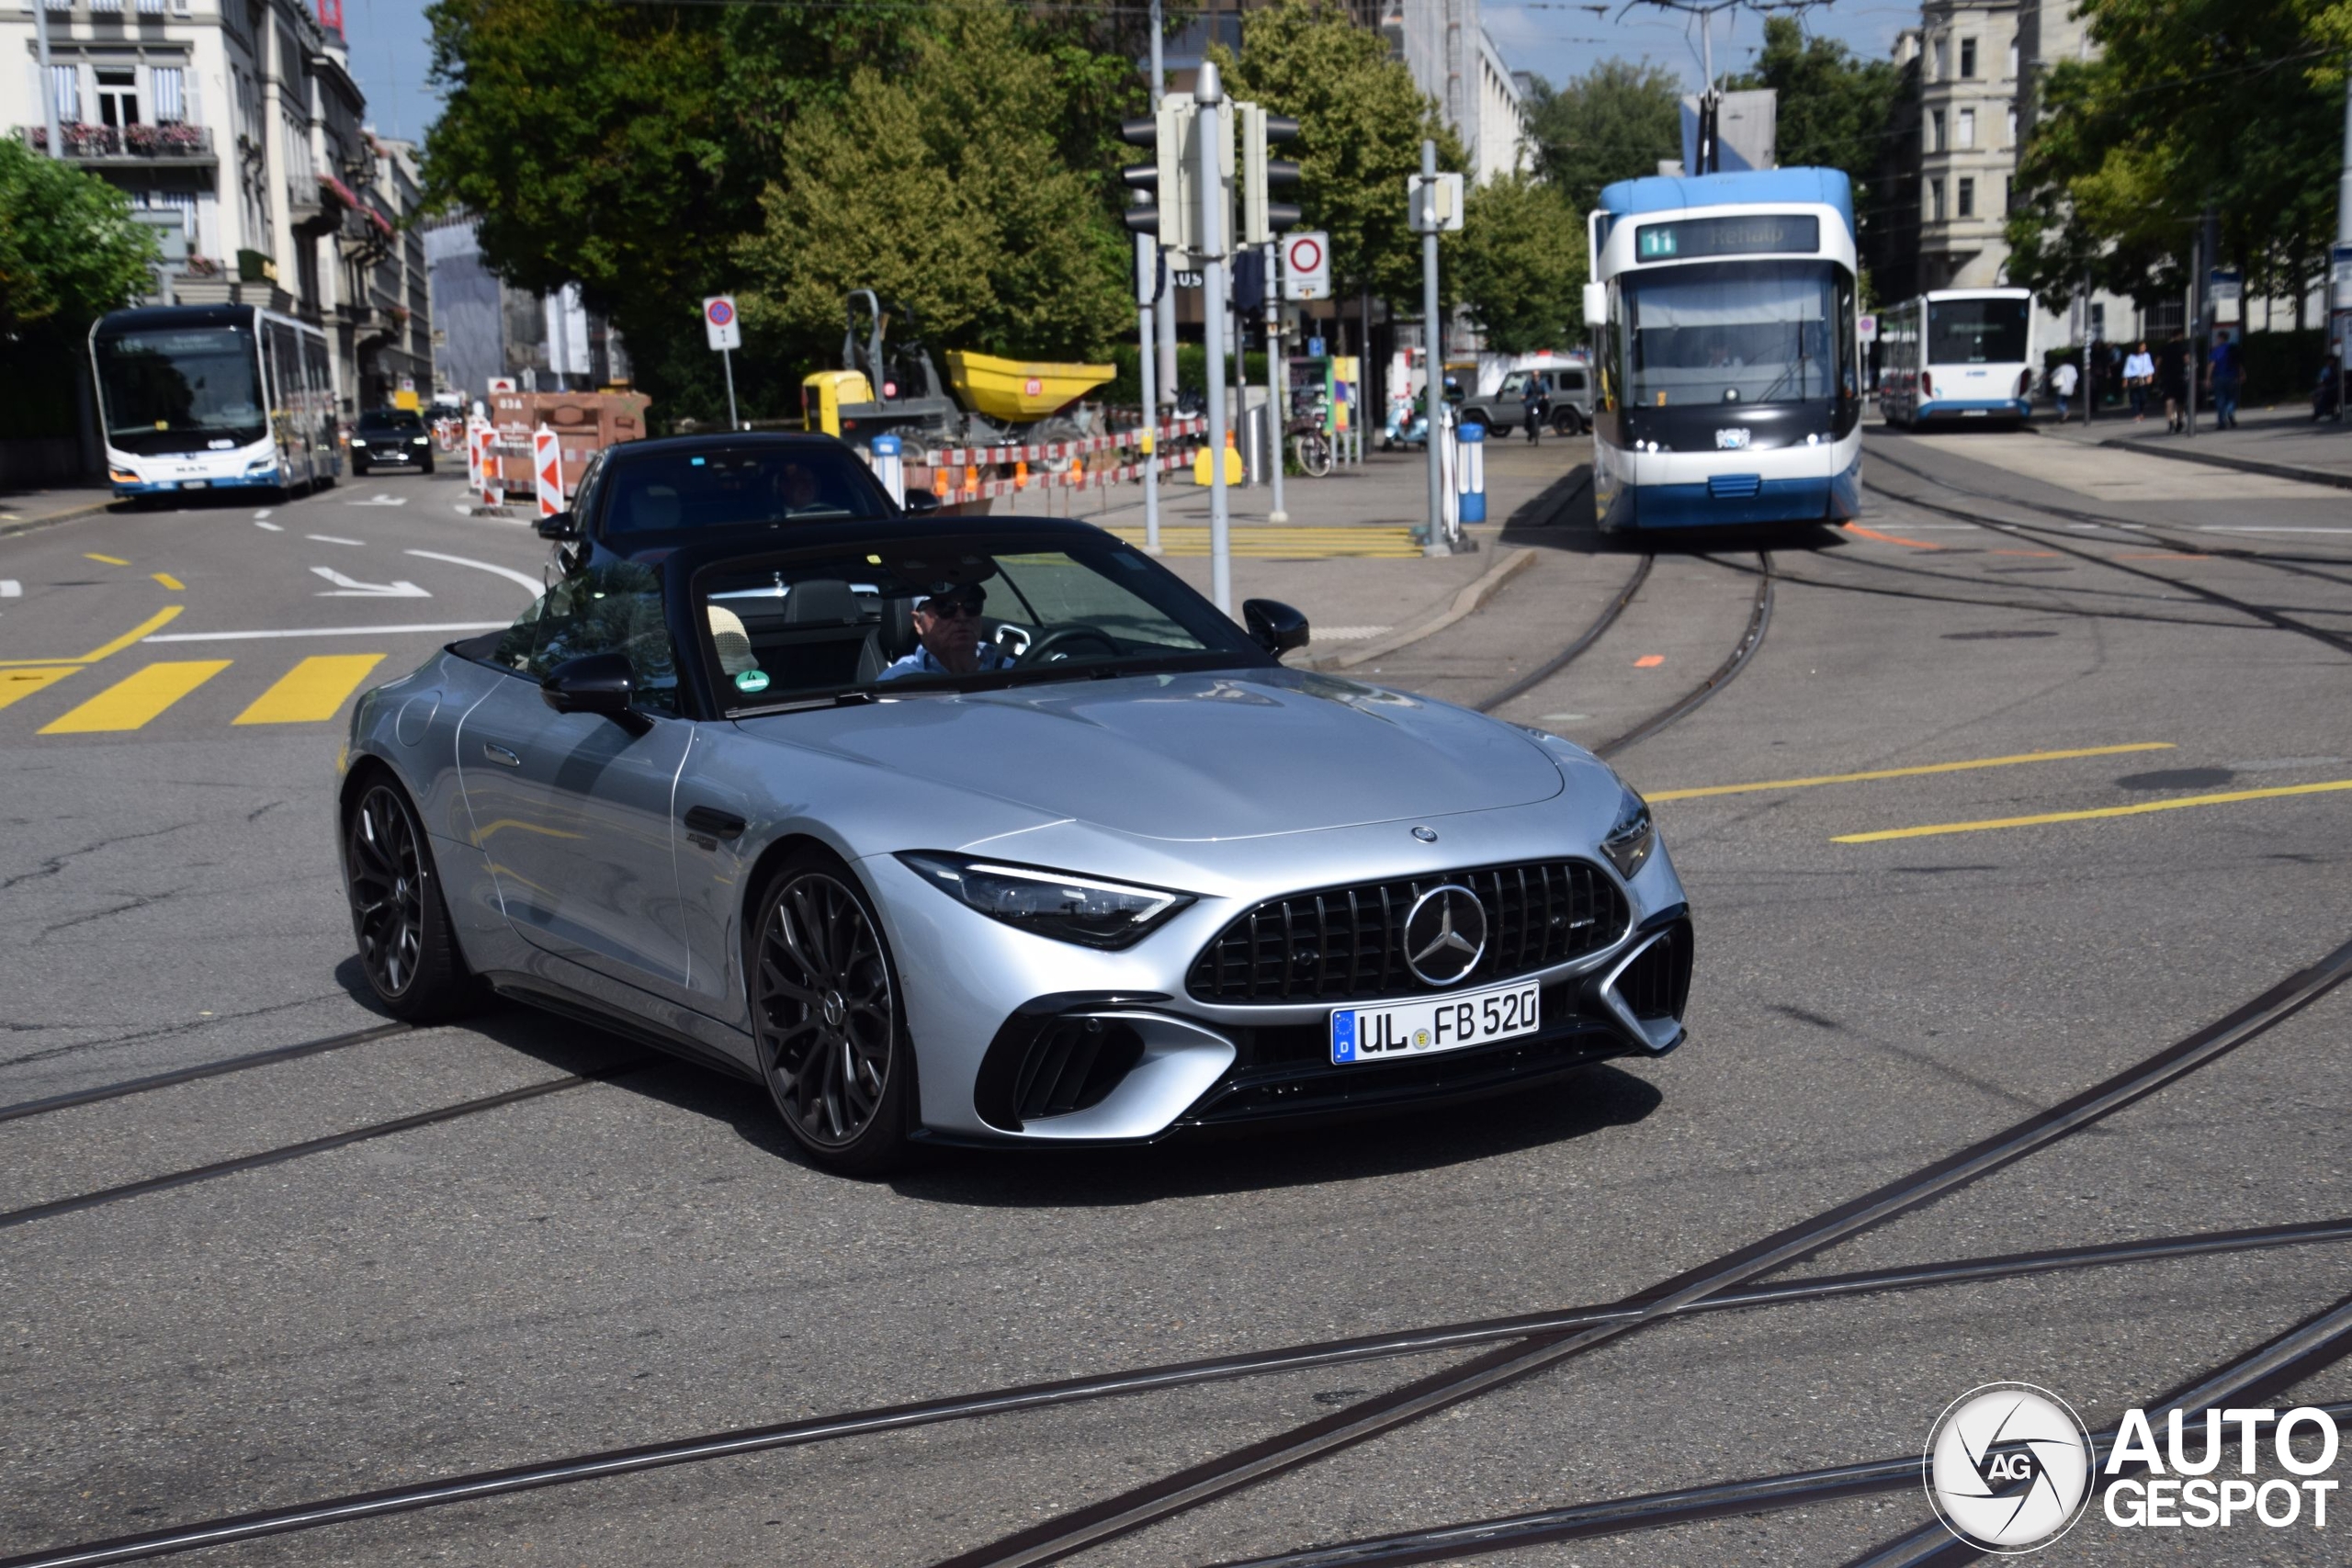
18	685
108	561
168	580
1263	541
134	700
312	691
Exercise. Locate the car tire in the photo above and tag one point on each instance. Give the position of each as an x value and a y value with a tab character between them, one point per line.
408	949
428	466
1567	421
358	467
827	1019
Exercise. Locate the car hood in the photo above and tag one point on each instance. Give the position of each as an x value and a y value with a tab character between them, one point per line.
1194	756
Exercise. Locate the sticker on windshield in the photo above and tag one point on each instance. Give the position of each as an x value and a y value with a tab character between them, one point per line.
751	681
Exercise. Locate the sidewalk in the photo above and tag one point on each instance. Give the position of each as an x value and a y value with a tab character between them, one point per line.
21	510
2282	442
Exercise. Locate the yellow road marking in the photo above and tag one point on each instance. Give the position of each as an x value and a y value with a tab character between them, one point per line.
1649	662
110	560
2142	808
168	580
1254	539
311	691
152	624
1912	772
1889	539
134	700
18	685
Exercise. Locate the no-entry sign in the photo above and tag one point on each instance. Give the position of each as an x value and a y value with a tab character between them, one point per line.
718	320
1306	266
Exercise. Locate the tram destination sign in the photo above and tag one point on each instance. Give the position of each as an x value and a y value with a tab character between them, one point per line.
1755	233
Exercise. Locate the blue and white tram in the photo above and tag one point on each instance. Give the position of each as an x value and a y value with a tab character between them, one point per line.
214	397
1730	375
1958	353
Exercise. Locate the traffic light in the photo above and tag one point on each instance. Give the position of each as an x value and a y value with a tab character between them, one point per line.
1261	217
1167	131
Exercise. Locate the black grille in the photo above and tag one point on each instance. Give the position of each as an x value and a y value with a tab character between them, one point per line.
1657	984
1348	943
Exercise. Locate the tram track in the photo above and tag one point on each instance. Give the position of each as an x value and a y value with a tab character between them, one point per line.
128	1086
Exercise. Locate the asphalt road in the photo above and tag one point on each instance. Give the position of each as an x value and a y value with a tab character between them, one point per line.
640	1258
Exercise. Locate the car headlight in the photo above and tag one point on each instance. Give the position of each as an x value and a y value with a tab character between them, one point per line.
422	441
1631	836
1051	903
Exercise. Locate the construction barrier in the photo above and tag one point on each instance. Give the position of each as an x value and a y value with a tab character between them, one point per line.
960	474
547	470
883	451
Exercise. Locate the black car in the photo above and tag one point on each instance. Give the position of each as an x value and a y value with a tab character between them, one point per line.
648	496
392	435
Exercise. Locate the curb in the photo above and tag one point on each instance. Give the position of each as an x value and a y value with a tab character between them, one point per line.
2243	464
1468	601
29	524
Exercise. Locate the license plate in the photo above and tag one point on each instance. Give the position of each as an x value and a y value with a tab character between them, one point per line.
1440	1023
1732	440
194	484
1973	413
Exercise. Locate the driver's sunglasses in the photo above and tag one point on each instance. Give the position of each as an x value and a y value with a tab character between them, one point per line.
958	607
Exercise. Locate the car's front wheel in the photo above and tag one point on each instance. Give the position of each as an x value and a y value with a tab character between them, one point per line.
833	1039
407	949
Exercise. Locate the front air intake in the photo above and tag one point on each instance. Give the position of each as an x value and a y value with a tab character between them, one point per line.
1735	487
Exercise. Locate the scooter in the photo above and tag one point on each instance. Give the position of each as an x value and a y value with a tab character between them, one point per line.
1408	426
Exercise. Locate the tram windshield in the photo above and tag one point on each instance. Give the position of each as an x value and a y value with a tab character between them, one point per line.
1741	332
1976	332
181	389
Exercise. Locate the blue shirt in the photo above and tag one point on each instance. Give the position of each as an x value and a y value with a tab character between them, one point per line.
920	662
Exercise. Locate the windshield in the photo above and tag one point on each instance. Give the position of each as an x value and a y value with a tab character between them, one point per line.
387	422
663	493
1976	332
187	390
958	614
1746	333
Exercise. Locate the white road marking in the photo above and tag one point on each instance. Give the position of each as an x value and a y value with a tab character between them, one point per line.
1548	718
333	539
352	587
1346	634
532	584
11	589
380	498
262	514
273	527
2262	528
331	631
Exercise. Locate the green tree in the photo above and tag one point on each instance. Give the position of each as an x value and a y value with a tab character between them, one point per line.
1519	264
68	249
1835	110
2231	106
992	238
1361	122
1614	122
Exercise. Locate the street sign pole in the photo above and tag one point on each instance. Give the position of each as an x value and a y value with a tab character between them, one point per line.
1433	351
1146	295
48	78
1277	406
1209	93
725	329
727	363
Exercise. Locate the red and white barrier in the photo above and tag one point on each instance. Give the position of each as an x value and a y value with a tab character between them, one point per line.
547	470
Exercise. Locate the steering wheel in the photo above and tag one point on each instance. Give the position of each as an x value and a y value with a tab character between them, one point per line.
1056	643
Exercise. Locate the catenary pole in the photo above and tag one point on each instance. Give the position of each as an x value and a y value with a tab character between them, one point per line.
1433	347
48	79
2340	296
1208	91
1277	406
1167	325
1147	250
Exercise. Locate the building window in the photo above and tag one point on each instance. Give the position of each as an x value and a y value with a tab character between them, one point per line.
2008	193
1967	203
2013	59
1935	201
1968	57
2013	128
97	6
1934	130
1943	59
167	91
118	98
65	86
1964	128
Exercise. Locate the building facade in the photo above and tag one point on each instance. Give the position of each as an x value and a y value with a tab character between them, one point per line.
242	118
486	328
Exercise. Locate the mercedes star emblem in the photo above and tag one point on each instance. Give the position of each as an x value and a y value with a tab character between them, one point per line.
1426	835
1446	934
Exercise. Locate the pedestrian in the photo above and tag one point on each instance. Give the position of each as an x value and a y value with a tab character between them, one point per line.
1530	403
2062	384
2171	380
2139	375
2225	373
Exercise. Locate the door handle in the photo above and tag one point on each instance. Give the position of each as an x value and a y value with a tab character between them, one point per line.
500	755
711	820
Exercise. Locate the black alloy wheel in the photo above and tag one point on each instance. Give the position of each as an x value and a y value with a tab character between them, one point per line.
825	1008
406	948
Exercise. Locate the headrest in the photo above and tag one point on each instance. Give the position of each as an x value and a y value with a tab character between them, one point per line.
820	601
731	641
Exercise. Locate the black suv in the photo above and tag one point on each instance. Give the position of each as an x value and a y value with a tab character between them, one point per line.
392	435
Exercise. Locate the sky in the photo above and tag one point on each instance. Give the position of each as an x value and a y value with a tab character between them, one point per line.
1555	38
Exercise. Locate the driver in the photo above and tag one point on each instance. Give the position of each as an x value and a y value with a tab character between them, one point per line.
948	635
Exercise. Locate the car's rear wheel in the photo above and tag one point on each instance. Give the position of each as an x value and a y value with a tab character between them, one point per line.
832	1040
406	946
358	467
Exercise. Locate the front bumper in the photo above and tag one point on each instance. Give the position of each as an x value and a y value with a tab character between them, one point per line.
417	455
266	479
1973	408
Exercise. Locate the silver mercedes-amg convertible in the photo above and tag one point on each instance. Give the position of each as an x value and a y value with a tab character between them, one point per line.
992	831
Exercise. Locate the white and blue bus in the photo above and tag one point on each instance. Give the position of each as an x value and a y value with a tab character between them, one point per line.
1730	377
1958	353
214	397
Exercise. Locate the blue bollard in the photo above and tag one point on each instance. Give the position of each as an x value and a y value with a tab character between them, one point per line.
1470	473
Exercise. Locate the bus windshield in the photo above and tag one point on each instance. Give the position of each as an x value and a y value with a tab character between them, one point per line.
181	390
1976	332
1743	333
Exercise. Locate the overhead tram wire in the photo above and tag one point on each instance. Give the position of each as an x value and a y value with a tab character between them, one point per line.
1042	1395
1183	1491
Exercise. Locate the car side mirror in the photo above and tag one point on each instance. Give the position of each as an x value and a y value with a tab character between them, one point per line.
921	502
1275	625
564	524
599	684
